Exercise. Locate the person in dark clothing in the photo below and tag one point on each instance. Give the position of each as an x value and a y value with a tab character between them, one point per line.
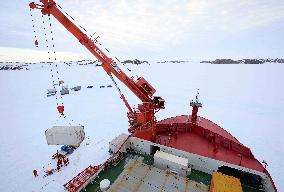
35	173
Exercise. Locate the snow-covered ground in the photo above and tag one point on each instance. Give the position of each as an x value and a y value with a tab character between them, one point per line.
246	100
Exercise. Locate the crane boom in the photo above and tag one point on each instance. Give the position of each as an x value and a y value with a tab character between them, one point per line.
142	121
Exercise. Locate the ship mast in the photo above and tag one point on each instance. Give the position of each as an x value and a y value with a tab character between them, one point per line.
195	104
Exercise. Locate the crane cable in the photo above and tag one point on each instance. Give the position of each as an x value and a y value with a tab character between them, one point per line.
34	31
57	71
47	46
51	53
54	53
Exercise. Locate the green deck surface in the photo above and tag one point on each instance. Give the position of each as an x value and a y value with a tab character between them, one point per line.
147	159
200	177
111	173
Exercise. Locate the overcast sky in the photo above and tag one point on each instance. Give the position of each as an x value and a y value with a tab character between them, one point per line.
160	29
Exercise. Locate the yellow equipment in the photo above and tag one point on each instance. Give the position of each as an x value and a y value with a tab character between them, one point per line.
225	183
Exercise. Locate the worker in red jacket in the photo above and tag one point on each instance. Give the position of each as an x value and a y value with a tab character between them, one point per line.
59	164
65	162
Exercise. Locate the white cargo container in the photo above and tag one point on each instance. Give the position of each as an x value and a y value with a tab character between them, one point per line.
64	91
65	135
175	164
117	142
50	91
77	88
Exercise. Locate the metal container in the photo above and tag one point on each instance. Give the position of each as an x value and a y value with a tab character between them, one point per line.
77	88
175	164
64	91
116	144
50	91
65	135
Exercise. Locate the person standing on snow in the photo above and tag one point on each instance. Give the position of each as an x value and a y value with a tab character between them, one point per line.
59	164
35	173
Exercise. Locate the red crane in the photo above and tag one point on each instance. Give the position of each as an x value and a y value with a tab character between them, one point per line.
142	121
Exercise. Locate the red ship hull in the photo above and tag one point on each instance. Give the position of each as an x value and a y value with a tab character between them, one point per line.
207	139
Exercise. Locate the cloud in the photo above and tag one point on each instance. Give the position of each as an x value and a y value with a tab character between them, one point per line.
155	24
142	23
236	16
150	28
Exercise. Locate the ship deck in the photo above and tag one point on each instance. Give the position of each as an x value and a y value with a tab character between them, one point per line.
197	181
116	171
138	176
111	173
135	171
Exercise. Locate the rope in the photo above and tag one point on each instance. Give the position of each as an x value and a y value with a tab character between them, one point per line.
56	67
49	59
34	31
51	56
54	54
65	117
115	84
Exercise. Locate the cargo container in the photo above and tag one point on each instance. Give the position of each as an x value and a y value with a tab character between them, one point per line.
77	88
116	143
64	91
65	135
50	91
175	164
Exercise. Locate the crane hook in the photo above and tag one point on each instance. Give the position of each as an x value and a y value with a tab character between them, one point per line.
60	109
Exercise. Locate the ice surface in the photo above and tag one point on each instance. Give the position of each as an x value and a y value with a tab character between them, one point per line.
246	100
